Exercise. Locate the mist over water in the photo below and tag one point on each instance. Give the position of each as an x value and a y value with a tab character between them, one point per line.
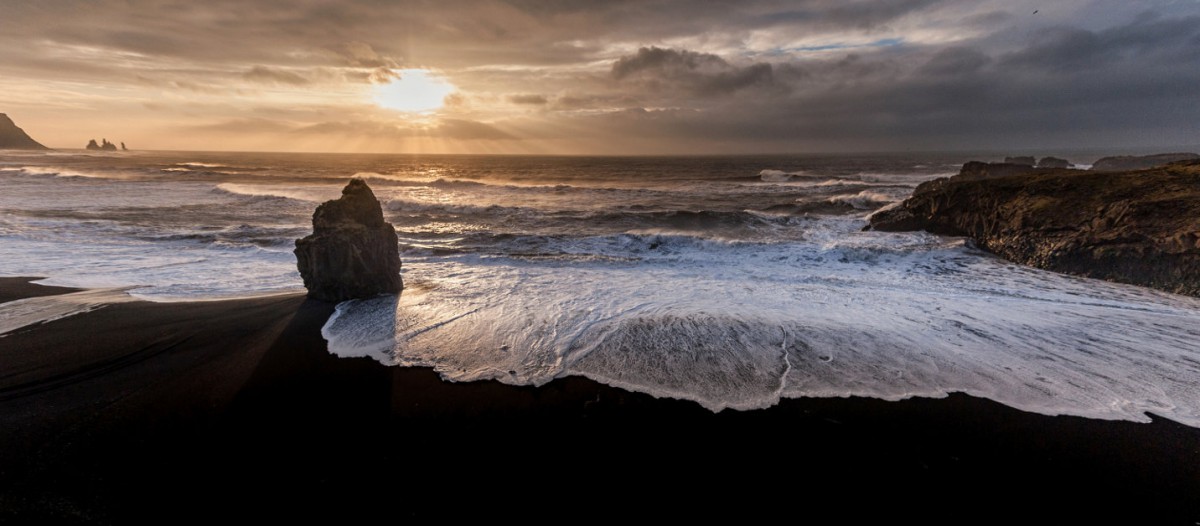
732	282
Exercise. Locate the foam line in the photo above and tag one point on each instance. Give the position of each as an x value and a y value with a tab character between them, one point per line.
25	312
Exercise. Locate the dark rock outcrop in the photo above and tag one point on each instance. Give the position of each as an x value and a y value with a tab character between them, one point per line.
1024	160
978	170
1053	162
352	252
1140	227
1140	162
14	138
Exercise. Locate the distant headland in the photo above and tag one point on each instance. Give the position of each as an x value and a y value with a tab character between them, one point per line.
14	138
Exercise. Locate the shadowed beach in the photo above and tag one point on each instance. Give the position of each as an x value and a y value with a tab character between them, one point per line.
139	408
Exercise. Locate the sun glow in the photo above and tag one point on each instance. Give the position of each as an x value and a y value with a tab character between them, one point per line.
416	91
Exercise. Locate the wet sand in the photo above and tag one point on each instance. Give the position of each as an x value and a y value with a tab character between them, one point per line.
190	411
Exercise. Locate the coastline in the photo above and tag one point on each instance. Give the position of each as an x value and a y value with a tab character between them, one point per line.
139	407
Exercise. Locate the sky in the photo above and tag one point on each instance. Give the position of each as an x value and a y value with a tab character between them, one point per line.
603	77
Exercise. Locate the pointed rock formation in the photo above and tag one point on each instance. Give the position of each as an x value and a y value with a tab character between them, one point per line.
352	252
14	138
105	146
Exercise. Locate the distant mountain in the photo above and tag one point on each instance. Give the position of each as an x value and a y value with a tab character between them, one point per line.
14	138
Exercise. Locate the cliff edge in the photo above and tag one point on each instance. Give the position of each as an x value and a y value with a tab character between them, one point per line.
1140	227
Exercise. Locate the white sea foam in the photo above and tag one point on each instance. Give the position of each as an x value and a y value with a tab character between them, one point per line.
865	200
314	194
67	172
846	314
31	311
778	176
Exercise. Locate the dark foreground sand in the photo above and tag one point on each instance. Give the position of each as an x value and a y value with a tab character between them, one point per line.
188	412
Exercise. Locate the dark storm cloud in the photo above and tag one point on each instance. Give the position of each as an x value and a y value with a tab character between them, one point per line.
955	61
1056	86
701	73
1148	38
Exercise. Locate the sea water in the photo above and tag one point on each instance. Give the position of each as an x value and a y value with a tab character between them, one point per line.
732	282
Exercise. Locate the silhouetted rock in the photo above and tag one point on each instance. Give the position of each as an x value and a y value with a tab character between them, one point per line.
14	138
980	170
1140	162
352	252
1139	227
103	146
1026	160
1053	162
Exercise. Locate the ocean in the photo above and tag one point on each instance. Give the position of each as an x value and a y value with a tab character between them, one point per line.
729	281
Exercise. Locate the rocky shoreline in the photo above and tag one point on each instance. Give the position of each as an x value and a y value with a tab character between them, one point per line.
1140	227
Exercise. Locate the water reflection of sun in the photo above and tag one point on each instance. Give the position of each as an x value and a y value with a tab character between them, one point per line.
416	91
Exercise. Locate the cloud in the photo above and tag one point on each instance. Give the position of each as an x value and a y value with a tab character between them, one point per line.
247	125
532	99
704	74
955	61
361	54
1148	38
679	75
451	129
267	75
468	130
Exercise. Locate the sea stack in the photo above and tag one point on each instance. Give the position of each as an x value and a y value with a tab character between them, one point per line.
14	138
352	252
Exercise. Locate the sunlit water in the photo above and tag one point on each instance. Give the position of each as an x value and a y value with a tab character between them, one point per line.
733	282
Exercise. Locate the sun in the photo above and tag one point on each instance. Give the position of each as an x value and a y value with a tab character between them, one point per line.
416	91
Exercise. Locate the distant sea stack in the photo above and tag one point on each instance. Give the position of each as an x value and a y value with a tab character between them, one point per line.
352	252
14	138
1139	227
104	145
1140	162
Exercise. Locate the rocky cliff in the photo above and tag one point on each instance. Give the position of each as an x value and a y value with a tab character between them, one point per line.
1138	227
1140	162
352	252
14	138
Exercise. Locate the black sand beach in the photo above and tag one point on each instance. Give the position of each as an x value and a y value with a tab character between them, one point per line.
182	412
